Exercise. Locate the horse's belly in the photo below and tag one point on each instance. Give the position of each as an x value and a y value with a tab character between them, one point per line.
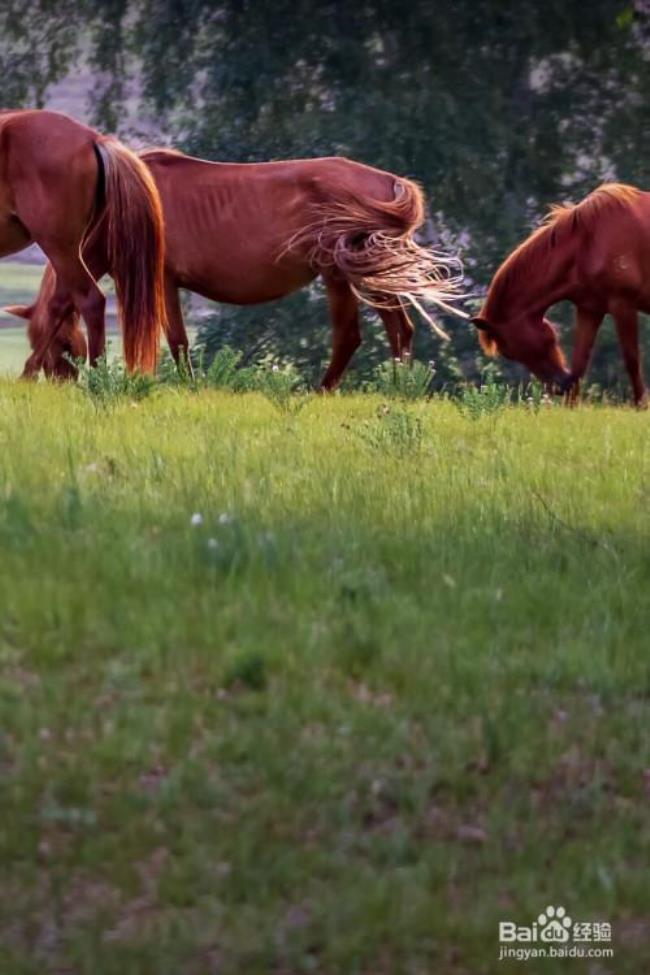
247	285
14	236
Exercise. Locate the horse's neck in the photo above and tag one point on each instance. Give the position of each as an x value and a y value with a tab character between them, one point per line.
549	277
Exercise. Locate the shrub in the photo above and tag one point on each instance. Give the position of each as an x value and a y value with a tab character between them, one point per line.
282	386
110	381
408	380
395	431
488	399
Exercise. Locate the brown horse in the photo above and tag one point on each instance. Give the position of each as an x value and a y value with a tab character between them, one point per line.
57	179
595	254
248	233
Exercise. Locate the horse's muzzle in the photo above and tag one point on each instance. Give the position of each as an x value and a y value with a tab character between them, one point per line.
564	382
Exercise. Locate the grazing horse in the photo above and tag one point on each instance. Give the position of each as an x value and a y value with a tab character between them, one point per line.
248	233
57	179
595	254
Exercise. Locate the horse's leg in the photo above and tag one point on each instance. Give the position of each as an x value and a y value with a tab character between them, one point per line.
587	325
400	331
179	345
346	331
627	328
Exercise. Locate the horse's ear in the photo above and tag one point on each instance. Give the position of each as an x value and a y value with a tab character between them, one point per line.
481	323
486	336
20	311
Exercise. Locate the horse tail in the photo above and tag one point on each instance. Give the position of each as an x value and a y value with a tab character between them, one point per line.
371	243
136	250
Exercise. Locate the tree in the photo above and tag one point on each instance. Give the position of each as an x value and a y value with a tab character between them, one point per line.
496	112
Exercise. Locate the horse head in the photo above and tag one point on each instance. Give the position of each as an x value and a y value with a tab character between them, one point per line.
532	341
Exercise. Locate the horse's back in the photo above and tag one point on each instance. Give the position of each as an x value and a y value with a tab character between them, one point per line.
316	177
616	258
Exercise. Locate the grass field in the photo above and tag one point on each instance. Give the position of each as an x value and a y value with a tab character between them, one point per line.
334	692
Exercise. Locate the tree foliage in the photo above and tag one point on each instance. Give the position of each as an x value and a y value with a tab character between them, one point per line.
497	110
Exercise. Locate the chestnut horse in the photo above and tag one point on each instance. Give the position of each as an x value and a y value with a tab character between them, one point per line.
595	254
57	179
248	233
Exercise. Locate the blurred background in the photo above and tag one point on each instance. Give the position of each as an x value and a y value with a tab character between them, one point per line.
496	109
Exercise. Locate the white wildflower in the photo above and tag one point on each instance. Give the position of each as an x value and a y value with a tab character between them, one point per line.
196	519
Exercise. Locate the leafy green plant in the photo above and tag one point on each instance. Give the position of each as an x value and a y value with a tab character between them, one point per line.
283	387
182	374
533	396
247	670
396	431
488	399
110	381
226	372
407	380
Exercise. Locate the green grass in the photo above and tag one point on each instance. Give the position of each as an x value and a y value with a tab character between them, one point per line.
391	687
14	349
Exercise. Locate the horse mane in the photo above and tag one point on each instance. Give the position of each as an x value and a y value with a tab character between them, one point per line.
561	222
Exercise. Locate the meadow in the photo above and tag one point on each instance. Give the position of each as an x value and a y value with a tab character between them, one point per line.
332	689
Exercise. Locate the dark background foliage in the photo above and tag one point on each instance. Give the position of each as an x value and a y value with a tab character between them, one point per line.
497	109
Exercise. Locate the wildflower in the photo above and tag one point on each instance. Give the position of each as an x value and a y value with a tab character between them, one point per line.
225	518
196	519
213	544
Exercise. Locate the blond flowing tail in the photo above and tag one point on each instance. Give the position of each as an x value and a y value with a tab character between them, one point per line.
371	243
136	242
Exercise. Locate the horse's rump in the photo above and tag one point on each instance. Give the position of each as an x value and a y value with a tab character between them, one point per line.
371	243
